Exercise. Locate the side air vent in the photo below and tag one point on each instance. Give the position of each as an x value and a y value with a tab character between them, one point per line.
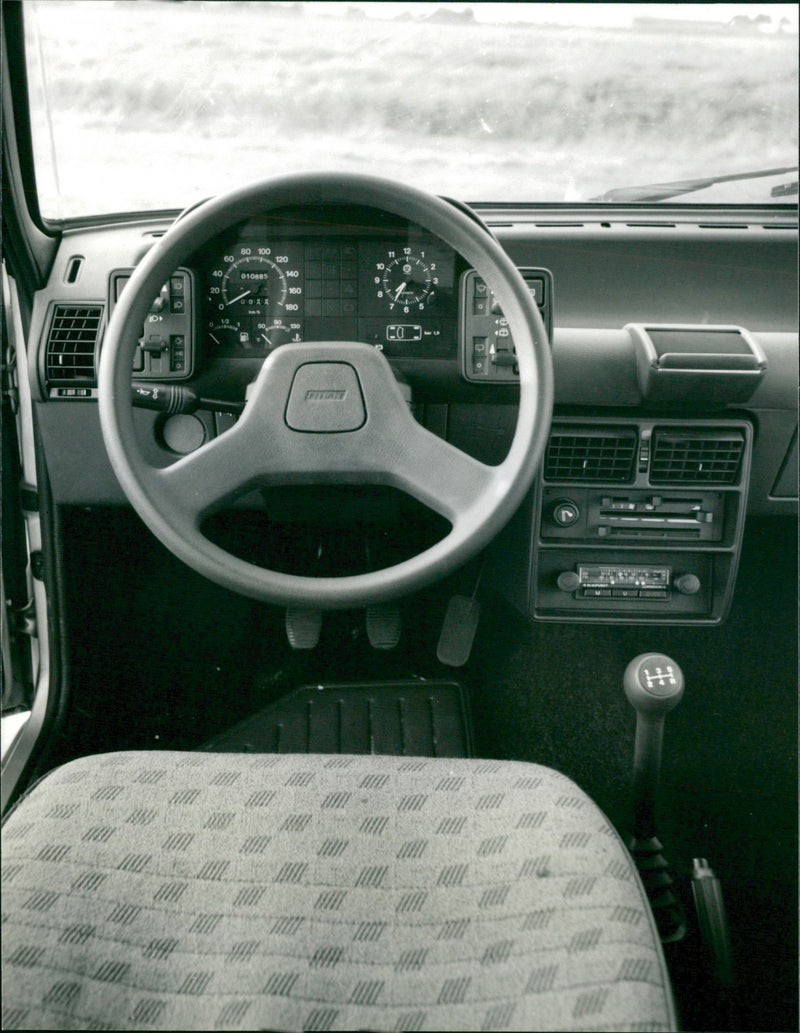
587	454
696	456
71	343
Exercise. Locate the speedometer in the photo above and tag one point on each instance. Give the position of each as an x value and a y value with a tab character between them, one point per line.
254	284
254	298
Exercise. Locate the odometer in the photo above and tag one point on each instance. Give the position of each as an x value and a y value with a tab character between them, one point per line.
254	284
254	298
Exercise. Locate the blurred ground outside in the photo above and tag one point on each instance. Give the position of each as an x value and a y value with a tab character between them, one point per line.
154	104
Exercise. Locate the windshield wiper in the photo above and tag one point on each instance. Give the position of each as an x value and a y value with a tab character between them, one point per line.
664	191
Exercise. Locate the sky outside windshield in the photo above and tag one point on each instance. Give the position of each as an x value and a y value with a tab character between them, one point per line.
154	104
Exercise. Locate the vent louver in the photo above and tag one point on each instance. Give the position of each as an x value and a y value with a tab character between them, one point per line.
586	454
696	456
71	343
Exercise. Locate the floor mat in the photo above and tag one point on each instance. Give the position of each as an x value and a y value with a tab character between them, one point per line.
416	719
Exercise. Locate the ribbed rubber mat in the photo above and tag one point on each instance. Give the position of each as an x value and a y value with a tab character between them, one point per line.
415	719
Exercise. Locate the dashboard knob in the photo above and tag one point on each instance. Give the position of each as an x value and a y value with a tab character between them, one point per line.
688	584
568	581
565	513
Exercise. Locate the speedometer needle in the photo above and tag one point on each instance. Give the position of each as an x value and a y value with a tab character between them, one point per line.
239	297
399	291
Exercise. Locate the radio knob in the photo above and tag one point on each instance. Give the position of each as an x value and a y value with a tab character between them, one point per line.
688	584
569	581
565	513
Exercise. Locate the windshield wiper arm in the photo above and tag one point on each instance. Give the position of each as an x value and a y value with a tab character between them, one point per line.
664	191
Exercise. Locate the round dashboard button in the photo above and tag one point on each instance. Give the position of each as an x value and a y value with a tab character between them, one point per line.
183	433
565	513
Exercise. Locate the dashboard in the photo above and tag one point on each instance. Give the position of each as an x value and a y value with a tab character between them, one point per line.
338	275
674	351
329	274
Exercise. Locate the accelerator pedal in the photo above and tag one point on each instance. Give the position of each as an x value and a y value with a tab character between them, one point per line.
384	626
458	630
303	627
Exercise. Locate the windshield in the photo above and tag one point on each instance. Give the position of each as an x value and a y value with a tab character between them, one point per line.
154	105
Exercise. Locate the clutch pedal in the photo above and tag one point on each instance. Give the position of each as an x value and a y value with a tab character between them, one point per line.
303	627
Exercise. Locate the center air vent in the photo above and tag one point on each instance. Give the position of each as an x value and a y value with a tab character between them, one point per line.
585	454
71	343
695	456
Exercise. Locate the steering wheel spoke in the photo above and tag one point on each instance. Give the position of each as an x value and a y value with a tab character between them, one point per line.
440	475
217	472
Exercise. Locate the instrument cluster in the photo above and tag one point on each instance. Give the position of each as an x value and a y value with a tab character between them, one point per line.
275	280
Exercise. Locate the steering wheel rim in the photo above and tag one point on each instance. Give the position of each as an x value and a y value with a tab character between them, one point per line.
478	500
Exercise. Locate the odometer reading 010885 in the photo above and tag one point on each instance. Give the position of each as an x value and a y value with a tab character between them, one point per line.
254	299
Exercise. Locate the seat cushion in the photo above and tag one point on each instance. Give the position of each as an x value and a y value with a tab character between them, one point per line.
170	890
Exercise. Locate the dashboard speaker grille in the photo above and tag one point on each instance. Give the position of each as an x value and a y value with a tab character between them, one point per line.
71	343
584	454
696	456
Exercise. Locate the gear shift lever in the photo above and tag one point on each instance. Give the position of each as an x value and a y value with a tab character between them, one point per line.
654	686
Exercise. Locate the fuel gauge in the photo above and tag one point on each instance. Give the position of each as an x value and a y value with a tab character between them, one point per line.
230	335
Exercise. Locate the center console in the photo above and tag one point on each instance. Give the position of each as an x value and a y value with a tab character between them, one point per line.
639	520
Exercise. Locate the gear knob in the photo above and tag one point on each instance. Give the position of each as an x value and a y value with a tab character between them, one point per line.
653	684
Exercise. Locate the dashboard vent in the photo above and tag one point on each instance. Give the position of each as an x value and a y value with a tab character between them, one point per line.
586	454
696	456
71	343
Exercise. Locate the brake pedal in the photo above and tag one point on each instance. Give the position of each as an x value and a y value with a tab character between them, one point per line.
458	630
303	627
384	626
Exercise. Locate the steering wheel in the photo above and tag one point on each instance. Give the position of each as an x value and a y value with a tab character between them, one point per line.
326	412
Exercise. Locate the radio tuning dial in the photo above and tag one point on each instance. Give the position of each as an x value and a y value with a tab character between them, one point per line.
688	584
569	581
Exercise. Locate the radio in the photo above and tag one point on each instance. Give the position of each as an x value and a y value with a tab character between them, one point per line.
625	581
600	581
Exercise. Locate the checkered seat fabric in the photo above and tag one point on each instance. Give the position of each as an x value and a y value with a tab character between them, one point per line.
237	891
